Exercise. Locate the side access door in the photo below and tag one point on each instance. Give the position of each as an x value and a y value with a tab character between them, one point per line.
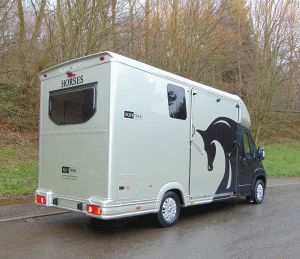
214	124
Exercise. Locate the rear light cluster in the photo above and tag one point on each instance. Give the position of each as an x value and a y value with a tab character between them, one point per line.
90	209
40	199
93	209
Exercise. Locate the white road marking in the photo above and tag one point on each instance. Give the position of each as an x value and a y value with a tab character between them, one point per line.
34	216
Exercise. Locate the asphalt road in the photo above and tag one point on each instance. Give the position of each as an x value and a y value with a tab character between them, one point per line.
223	230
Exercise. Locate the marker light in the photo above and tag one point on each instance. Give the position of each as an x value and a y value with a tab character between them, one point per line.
40	199
70	74
93	209
102	58
45	75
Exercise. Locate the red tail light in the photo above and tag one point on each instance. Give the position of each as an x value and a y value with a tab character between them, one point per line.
93	209
40	199
102	58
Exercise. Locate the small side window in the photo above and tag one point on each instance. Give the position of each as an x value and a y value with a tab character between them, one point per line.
249	146
177	102
253	146
247	149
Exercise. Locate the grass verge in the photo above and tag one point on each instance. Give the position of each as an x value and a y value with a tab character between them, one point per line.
18	170
283	159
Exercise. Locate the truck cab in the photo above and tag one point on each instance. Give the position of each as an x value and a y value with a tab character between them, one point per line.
251	169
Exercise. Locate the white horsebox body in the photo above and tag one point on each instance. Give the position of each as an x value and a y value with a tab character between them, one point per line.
116	135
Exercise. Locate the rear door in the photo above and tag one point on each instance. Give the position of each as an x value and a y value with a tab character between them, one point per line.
74	131
213	145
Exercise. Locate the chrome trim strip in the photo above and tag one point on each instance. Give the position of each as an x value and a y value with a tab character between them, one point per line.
102	201
225	198
131	203
197	202
128	214
212	196
120	215
223	194
210	199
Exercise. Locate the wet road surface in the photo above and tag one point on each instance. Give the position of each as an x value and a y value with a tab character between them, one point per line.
232	229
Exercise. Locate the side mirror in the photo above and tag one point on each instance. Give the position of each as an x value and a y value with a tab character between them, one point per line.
260	153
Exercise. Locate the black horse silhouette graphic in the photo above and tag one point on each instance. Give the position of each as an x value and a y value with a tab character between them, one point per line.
224	131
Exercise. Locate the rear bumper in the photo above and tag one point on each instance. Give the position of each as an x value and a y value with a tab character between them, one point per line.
109	208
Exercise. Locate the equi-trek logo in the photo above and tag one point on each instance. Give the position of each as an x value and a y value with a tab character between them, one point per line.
72	81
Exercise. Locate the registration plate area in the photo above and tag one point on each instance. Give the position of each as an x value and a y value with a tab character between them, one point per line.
68	204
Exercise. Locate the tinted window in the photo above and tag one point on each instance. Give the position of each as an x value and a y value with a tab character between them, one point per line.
252	146
247	150
73	105
249	146
177	103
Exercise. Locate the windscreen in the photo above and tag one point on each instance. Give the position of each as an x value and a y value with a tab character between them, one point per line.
73	105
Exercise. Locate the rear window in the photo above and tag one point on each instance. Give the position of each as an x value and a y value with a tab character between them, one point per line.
72	105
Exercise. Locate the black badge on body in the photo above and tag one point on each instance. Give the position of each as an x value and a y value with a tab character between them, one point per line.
128	114
65	169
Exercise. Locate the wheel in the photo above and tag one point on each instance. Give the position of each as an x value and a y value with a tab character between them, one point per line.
258	193
169	210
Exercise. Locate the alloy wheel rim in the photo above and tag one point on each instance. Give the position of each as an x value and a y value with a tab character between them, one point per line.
259	192
169	209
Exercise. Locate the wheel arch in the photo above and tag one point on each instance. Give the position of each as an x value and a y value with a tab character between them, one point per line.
260	175
174	187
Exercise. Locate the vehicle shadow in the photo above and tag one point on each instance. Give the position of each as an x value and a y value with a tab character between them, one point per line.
212	208
191	215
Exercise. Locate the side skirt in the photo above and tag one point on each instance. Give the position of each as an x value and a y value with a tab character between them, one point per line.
212	198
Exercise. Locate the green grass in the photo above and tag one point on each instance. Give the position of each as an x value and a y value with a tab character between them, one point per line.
18	170
283	159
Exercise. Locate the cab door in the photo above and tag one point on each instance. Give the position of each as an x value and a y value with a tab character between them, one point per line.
247	162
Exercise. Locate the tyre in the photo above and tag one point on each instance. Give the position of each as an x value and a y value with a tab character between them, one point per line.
169	210
258	193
